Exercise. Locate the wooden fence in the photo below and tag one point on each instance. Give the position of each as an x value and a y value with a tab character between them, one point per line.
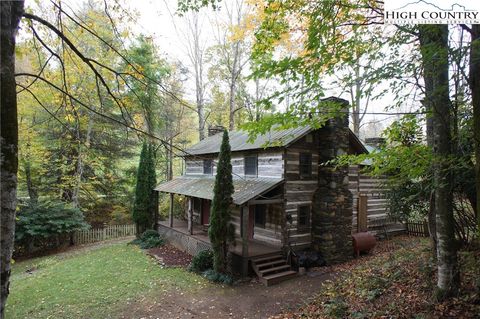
99	234
370	205
419	229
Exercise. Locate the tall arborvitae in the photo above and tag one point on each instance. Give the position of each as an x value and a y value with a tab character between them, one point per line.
152	182
221	232
142	205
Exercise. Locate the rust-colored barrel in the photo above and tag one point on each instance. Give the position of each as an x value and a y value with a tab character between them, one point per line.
363	242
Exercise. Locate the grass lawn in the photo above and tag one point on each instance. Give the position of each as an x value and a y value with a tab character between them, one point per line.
90	283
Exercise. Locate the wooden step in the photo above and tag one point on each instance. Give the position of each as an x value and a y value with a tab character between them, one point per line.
271	263
268	258
278	277
274	269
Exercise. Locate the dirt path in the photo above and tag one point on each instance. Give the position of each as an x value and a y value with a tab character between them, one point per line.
248	300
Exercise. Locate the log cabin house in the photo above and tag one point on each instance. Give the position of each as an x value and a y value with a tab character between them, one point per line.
284	196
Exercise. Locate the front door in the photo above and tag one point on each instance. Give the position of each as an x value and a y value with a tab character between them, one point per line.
205	211
251	221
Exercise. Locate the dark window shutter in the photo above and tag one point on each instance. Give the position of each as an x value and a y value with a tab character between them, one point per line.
305	166
303	216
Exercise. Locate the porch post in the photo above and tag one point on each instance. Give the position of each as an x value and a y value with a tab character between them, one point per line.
170	217
155	223
190	216
244	215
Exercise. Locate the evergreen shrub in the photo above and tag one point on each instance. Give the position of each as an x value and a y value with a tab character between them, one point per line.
202	261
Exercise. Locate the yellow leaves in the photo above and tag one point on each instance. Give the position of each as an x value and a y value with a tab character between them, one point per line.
275	6
139	120
125	33
238	33
69	118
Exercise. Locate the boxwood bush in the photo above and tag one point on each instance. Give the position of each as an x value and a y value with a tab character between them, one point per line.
149	239
214	276
202	261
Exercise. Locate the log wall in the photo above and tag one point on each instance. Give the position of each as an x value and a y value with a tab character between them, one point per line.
377	204
299	190
270	164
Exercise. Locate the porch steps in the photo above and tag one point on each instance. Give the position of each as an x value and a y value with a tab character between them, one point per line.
272	269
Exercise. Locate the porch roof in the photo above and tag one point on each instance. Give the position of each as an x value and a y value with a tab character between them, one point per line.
202	187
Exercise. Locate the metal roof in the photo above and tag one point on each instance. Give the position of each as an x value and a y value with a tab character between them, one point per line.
274	138
202	187
239	140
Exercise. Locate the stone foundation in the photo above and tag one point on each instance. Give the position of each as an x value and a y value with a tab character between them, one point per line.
332	203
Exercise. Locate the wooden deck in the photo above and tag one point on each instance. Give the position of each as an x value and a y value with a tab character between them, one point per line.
179	237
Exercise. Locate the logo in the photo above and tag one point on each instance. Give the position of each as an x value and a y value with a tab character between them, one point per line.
432	12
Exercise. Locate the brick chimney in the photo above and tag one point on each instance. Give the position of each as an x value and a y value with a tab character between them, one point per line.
215	129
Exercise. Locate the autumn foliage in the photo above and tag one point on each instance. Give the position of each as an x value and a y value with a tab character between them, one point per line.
396	281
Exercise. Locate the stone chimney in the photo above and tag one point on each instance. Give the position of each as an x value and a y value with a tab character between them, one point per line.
375	141
332	202
215	129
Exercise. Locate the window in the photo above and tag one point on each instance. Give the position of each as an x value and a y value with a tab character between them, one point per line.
303	216
207	166
305	164
251	165
260	215
197	205
309	138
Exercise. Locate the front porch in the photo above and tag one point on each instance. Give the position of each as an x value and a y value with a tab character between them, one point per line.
179	236
256	215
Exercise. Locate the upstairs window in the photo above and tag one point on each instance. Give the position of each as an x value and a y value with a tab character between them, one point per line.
304	216
309	138
305	166
208	166
260	215
251	165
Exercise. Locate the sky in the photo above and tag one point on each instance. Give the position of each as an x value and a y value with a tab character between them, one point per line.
158	19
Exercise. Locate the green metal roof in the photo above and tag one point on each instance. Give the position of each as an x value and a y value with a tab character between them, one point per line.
239	140
202	187
274	138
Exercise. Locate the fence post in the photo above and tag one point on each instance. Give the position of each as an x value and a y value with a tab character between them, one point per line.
362	213
426	232
98	234
170	215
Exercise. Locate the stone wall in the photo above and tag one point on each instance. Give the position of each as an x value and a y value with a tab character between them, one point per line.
332	203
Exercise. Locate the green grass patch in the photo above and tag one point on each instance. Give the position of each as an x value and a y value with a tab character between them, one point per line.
90	284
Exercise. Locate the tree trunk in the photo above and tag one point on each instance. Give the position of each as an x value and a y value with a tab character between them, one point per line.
356	100
32	192
475	89
231	122
428	73
10	14
170	160
197	59
435	56
257	100
432	225
233	87
200	109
